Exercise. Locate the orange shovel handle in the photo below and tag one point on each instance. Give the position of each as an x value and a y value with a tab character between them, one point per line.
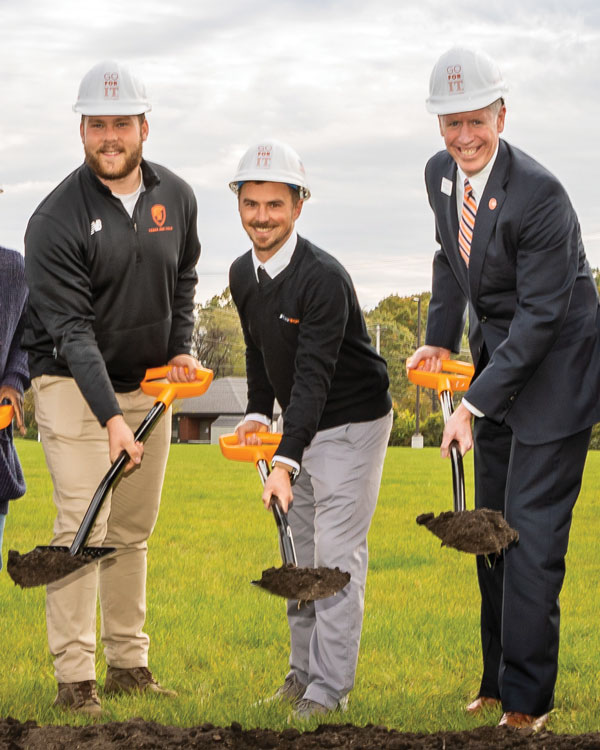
455	376
232	450
167	392
6	414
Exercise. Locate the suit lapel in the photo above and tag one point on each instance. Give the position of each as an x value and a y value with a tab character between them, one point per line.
488	211
449	217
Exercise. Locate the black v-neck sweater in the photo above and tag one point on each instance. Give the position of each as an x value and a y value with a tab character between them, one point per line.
307	345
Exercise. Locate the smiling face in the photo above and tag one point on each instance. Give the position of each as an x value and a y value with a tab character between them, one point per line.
471	138
113	148
268	211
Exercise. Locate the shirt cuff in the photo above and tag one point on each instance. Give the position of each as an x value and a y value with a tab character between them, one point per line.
473	409
287	461
255	417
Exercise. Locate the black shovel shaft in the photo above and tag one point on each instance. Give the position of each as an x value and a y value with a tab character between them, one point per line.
458	474
113	474
286	540
458	478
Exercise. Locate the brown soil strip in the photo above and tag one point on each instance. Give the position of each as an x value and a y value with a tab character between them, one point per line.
137	733
481	531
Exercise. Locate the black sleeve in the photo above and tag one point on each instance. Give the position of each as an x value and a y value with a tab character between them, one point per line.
60	295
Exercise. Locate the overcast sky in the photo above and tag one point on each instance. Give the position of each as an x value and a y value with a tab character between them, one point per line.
342	81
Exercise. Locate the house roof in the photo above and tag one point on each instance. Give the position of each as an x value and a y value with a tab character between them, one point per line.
225	396
226	420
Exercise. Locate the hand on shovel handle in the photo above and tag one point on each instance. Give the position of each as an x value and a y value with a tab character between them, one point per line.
279	488
458	430
121	439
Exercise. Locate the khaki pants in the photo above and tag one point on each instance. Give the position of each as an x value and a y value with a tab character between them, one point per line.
76	449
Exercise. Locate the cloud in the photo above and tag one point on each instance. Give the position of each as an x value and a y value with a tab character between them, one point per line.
343	81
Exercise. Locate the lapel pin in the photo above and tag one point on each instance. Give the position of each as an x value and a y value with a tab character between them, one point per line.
492	204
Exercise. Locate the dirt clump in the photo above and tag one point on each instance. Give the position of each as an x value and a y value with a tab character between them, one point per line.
304	584
44	565
481	531
137	734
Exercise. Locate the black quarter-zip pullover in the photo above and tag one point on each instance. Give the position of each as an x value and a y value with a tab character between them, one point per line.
110	295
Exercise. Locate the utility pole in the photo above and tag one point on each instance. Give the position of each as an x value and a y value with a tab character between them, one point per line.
378	338
417	438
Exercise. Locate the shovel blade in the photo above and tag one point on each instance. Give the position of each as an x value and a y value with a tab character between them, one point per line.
47	564
303	584
480	532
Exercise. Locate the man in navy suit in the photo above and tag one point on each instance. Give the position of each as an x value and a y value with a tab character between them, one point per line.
511	253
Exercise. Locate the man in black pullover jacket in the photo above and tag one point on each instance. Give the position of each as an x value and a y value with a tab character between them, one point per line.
110	259
308	347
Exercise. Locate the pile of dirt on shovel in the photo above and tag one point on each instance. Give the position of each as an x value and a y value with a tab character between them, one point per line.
481	532
304	584
42	565
137	734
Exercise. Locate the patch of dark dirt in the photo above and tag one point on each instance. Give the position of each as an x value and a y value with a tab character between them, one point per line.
44	565
305	584
481	532
137	734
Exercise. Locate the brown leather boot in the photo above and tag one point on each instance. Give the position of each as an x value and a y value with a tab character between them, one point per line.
133	680
79	697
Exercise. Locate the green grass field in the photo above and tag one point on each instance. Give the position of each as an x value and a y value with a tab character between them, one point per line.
223	644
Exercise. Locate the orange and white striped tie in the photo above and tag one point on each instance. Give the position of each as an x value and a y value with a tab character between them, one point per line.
467	222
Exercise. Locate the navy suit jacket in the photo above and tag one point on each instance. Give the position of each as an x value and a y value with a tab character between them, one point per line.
533	304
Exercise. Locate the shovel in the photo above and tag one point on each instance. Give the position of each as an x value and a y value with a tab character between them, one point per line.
481	531
289	581
46	564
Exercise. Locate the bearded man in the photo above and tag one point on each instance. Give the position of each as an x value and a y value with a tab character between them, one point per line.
110	259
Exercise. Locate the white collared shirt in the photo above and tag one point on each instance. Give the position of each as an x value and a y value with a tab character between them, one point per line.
279	260
478	182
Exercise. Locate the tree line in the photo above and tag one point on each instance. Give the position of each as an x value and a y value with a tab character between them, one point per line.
218	343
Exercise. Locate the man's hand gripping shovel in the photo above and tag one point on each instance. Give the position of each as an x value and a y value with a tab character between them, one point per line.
289	581
481	531
46	564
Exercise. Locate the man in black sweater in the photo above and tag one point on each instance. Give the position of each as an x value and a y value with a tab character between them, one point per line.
110	259
308	347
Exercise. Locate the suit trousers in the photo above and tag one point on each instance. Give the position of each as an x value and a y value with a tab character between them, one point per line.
542	483
334	500
492	445
76	450
2	523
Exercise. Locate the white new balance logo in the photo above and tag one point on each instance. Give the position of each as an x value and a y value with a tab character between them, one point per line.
95	226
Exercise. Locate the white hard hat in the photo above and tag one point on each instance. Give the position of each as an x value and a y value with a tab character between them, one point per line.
463	80
271	161
110	88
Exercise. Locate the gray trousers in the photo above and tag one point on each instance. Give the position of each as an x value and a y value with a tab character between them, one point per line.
334	500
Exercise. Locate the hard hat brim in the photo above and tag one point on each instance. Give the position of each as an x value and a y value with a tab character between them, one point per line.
439	105
234	185
109	110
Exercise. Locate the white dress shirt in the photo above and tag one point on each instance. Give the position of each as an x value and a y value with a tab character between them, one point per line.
478	182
